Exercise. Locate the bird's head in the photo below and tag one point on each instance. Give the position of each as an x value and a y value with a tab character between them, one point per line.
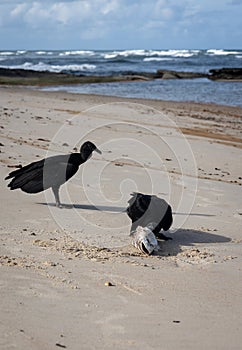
87	148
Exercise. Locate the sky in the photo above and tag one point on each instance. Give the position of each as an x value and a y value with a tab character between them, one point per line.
120	24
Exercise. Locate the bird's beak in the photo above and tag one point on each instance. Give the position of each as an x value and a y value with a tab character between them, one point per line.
98	150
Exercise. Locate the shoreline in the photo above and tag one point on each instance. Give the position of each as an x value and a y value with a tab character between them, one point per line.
71	276
166	103
169	85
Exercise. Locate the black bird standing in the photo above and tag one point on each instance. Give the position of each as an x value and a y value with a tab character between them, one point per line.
50	172
147	209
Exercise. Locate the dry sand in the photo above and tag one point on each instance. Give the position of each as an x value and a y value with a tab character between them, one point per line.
69	277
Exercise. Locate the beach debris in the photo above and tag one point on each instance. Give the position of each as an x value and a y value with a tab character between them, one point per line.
144	239
76	249
195	256
108	284
43	139
14	166
60	345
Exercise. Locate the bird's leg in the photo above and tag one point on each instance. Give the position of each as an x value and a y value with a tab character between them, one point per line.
57	198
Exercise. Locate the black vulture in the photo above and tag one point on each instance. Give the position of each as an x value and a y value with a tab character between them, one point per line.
145	210
50	172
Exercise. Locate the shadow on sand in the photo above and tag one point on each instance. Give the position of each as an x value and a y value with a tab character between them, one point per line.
88	207
112	208
188	237
180	237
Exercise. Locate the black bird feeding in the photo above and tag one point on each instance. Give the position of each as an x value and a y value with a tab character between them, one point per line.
150	211
51	172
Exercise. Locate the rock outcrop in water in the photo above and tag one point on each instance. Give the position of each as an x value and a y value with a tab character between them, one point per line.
226	74
30	77
170	74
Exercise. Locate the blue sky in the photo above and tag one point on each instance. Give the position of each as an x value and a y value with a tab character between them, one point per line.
120	24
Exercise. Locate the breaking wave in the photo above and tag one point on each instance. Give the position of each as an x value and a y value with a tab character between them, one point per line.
42	67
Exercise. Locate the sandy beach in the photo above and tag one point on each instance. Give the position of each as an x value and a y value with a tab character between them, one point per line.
70	277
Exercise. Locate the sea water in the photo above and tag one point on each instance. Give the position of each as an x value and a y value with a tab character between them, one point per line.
114	62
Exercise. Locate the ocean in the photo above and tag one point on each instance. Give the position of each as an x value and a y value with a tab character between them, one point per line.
114	62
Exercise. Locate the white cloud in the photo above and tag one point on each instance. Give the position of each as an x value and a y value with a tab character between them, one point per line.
66	12
18	10
36	15
110	7
127	21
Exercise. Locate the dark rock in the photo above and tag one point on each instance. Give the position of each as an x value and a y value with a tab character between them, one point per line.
170	74
7	72
31	77
226	74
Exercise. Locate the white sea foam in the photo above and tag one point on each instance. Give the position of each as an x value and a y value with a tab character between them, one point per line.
149	59
44	52
173	53
110	55
179	53
42	67
6	53
77	52
221	52
150	53
20	52
125	53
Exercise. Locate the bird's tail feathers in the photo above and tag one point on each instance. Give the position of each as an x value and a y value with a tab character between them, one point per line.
13	173
25	169
30	182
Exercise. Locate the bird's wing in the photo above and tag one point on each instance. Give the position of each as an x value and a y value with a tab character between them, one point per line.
146	209
38	176
38	165
55	174
30	181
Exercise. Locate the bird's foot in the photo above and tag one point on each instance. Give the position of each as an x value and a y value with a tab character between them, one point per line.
64	206
162	236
